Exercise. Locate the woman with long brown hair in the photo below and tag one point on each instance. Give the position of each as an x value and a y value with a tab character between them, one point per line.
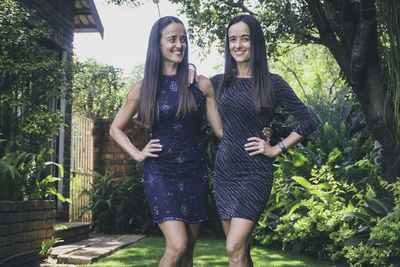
175	168
247	94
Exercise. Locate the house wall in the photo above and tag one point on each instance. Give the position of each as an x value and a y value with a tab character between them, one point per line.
60	16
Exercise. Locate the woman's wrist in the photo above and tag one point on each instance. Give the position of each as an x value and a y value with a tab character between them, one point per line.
282	147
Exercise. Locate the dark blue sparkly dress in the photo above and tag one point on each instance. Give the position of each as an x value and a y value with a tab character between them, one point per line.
242	183
176	182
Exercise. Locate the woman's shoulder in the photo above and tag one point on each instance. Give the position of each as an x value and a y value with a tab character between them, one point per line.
217	78
278	83
204	84
276	78
134	92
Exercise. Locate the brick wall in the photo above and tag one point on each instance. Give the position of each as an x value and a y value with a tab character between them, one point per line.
23	227
108	155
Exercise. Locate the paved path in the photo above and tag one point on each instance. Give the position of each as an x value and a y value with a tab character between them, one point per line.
89	250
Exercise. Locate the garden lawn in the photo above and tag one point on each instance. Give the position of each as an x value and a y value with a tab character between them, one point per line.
208	252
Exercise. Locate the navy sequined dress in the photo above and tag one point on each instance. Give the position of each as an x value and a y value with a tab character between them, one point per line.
176	182
242	183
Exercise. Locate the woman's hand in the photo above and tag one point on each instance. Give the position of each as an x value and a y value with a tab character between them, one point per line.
192	74
267	131
257	146
151	147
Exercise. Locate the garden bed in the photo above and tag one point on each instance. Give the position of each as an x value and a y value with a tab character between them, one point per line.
24	225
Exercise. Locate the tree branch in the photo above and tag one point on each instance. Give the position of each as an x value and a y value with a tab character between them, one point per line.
361	43
328	36
241	6
311	38
349	19
296	77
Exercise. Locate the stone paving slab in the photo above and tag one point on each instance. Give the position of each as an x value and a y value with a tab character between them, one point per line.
92	241
89	250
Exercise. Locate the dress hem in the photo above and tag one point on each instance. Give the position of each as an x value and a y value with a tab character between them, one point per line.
179	219
239	217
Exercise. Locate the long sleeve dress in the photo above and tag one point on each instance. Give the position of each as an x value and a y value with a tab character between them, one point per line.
242	183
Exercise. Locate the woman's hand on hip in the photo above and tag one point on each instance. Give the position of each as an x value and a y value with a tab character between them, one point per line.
148	151
257	146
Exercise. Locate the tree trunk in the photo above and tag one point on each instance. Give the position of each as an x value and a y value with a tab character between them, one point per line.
360	64
379	116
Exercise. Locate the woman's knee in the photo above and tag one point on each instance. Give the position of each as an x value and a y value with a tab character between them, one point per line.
177	247
235	248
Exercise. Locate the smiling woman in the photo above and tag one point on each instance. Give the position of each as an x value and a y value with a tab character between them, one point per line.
175	173
240	44
173	46
247	96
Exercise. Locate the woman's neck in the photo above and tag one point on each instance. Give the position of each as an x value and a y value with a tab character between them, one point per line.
243	70
169	68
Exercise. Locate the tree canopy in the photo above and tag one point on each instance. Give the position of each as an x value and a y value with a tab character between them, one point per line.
362	36
98	89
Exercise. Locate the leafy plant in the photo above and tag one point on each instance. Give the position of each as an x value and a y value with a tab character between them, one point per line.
47	246
381	249
328	194
23	176
118	204
31	78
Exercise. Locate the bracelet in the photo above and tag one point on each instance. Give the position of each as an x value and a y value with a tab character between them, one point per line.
194	66
282	146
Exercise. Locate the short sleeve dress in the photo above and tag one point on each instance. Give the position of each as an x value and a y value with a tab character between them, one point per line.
176	182
242	183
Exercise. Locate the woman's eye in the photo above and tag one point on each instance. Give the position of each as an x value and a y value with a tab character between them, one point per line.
183	39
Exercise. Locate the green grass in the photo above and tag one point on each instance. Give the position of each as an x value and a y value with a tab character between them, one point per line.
208	252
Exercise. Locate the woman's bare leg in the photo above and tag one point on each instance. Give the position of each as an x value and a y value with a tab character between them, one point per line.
176	238
192	233
238	241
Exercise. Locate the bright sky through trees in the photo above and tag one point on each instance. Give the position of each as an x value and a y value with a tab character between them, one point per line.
126	33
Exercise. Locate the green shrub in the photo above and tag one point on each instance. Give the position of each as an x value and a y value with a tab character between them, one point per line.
32	79
328	194
119	204
23	176
382	248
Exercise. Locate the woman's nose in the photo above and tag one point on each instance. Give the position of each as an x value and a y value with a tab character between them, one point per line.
178	44
238	43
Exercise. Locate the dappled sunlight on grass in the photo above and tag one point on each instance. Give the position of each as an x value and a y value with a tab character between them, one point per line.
208	252
268	257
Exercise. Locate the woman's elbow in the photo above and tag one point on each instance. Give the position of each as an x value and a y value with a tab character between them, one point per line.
112	131
218	133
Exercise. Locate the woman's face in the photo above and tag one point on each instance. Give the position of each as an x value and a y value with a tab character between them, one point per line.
240	42
173	43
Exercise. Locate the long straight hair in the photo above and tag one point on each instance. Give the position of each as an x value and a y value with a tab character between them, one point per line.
263	95
150	90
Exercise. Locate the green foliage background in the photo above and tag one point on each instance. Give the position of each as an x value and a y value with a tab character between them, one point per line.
98	89
329	198
32	80
32	83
